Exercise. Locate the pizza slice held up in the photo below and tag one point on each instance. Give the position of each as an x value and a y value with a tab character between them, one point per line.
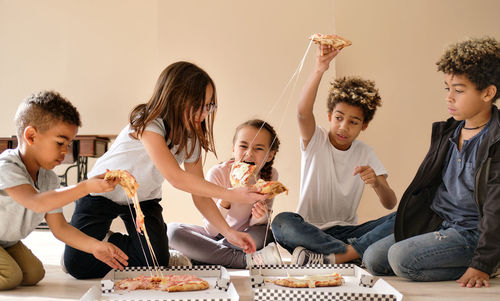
335	41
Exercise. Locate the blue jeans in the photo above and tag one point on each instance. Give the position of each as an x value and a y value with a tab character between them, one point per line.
290	231
434	256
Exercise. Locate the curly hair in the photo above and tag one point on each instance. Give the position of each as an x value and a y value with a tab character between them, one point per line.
42	109
266	171
357	92
477	58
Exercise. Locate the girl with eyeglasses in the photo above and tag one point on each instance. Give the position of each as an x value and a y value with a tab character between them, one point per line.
174	127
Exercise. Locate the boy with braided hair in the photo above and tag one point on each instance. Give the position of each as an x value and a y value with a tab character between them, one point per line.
335	169
448	221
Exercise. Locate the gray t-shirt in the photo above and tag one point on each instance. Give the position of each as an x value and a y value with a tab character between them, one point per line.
129	154
16	222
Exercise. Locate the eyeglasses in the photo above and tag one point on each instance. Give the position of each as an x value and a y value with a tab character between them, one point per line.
209	108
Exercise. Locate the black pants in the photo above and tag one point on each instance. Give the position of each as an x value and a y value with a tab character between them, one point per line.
93	216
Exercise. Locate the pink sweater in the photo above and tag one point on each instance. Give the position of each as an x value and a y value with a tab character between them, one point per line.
239	216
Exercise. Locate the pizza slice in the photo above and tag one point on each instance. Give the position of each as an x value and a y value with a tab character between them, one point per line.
272	188
240	173
335	41
127	180
130	186
310	281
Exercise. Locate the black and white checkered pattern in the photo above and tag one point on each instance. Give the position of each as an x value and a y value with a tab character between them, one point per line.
175	268
366	281
308	295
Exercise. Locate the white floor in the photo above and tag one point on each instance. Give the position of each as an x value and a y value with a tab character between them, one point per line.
60	286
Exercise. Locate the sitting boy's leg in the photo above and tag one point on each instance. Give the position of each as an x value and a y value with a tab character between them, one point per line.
375	257
93	216
291	231
11	275
31	266
384	226
434	256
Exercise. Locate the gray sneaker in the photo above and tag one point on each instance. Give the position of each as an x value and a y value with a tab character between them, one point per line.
302	256
178	259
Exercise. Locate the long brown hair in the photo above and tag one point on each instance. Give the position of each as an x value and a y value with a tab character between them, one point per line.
179	90
266	171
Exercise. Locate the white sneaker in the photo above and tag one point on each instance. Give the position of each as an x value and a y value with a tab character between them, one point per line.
178	259
303	256
269	255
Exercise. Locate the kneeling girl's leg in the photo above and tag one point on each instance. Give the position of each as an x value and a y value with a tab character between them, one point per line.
434	256
135	245
93	216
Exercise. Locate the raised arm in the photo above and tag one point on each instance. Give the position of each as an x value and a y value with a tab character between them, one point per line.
29	198
305	115
167	165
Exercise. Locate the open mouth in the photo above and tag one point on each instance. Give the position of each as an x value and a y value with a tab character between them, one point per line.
250	163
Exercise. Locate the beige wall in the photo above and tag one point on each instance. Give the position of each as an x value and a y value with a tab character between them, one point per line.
106	55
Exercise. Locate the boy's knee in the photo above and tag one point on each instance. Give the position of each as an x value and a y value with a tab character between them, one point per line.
284	220
33	274
375	261
398	257
11	277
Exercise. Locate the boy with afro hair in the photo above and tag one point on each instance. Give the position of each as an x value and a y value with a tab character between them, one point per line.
335	168
448	221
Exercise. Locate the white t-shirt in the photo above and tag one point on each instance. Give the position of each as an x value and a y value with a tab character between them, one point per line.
329	193
129	154
239	216
16	221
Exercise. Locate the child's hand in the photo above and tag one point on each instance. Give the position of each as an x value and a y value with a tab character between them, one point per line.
110	255
259	209
97	184
367	174
245	195
474	278
242	240
324	55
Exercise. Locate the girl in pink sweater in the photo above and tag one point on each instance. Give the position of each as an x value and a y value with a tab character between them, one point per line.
255	141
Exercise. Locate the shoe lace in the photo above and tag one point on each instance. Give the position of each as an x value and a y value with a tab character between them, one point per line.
315	258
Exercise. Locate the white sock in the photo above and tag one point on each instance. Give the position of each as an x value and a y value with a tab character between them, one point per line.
331	258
